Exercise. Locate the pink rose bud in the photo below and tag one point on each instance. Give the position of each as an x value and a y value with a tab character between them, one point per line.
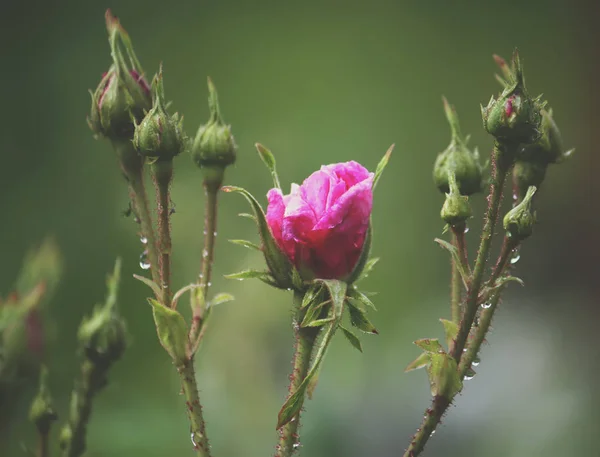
321	225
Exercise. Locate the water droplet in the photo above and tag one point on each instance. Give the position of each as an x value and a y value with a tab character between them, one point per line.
486	305
137	220
165	286
143	240
468	377
200	276
432	433
515	257
296	446
205	253
195	440
144	263
209	284
214	233
205	232
515	196
466	231
475	362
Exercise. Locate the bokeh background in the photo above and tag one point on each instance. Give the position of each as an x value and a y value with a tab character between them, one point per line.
317	82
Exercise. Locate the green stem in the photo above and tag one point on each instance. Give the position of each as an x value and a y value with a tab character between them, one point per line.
194	409
305	342
485	318
43	444
432	418
132	167
458	240
163	175
499	171
93	379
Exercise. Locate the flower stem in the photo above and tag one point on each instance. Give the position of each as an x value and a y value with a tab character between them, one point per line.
163	175
458	240
194	409
132	167
43	444
305	342
499	171
93	379
432	418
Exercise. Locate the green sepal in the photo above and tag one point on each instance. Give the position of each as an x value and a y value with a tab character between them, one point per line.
430	345
358	319
422	361
364	257
337	292
450	330
312	313
443	375
369	265
155	287
279	265
465	276
180	293
381	165
357	295
352	338
172	331
248	216
246	244
489	292
269	160
253	274
319	322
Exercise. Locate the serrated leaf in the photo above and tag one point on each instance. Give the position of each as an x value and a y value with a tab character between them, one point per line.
362	298
313	312
352	338
247	274
172	331
382	164
319	322
155	287
279	265
422	361
337	293
450	330
269	160
444	379
221	298
456	259
363	258
431	345
246	244
358	319
368	268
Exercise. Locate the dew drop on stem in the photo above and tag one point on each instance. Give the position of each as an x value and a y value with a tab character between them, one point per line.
486	305
144	263
468	377
143	240
515	256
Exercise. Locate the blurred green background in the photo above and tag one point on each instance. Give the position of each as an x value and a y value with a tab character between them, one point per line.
317	82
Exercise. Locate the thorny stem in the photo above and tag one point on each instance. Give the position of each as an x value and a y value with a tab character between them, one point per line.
439	405
163	175
458	240
305	342
499	171
93	379
132	167
194	409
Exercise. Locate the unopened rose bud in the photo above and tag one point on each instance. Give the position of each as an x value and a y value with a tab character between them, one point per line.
123	94
159	136
457	160
519	221
322	224
214	147
514	117
456	208
42	412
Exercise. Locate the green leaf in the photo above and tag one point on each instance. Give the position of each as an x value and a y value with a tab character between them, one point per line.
180	293
364	257
41	265
172	331
456	259
381	165
269	160
313	312
248	216
352	338
360	297
155	287
337	292
443	376
247	274
279	265
319	322
431	345
311	294
368	268
221	298
450	330
358	319
422	361
246	244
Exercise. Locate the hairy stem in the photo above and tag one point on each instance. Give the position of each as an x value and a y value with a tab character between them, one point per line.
163	175
433	416
194	409
458	240
305	342
93	379
499	172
